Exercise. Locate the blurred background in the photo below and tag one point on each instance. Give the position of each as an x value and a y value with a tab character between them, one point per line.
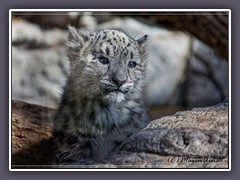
188	55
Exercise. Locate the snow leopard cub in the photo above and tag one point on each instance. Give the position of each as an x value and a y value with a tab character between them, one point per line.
103	100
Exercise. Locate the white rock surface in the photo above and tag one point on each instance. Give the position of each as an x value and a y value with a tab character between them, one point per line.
23	31
175	74
38	75
207	78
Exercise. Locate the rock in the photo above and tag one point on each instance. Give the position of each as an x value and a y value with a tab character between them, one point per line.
38	76
211	27
206	71
165	58
31	35
201	132
196	138
39	63
176	76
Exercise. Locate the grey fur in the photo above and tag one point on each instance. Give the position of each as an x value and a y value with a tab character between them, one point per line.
103	100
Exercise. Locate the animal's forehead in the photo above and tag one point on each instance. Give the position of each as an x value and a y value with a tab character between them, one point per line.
113	42
112	34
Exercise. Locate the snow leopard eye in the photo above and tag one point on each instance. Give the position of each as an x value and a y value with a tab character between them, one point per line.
132	64
103	60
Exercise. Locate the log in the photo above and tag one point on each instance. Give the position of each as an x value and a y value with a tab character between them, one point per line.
31	134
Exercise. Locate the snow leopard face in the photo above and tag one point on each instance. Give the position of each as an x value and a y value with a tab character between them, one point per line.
107	63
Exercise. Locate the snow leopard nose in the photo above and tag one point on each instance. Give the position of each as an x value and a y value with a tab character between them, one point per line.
119	82
118	73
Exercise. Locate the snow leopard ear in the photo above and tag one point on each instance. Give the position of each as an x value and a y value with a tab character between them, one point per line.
143	40
75	35
75	42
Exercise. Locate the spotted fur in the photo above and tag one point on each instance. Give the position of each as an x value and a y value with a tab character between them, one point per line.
103	100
